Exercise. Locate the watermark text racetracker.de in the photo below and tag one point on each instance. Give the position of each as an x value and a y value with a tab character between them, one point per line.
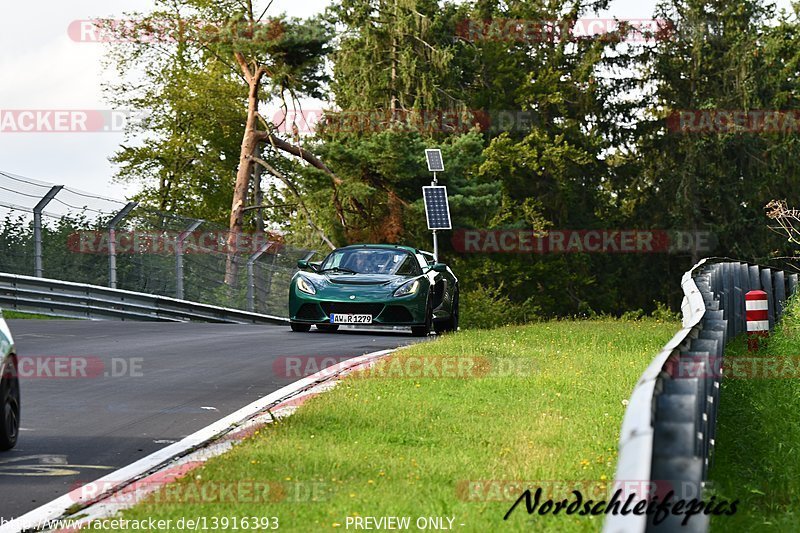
58	367
733	367
171	242
734	121
68	120
509	490
204	492
408	367
540	30
173	30
425	121
191	523
582	241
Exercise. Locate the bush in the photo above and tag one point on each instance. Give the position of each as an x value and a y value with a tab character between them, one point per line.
488	307
663	312
638	314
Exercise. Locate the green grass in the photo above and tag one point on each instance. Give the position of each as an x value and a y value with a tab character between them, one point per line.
758	440
379	446
31	316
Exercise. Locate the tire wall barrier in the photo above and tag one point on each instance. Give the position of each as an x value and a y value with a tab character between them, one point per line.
667	437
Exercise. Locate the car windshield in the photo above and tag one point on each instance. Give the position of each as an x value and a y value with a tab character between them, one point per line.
372	261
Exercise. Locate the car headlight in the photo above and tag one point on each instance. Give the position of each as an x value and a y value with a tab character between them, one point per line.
305	286
408	289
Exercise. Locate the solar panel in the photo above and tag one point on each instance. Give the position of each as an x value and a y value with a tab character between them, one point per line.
435	161
436	207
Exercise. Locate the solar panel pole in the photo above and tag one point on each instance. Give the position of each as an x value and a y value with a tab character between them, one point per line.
435	163
435	237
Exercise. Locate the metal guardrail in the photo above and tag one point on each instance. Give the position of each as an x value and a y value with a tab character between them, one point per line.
667	436
77	300
61	232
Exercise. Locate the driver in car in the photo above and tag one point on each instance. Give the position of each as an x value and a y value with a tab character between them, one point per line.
361	264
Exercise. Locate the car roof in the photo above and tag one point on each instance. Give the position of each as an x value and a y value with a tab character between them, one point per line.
381	246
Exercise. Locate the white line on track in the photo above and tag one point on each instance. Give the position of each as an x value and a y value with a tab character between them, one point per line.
117	480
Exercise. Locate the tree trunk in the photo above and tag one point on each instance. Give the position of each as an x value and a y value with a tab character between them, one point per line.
258	194
242	186
393	81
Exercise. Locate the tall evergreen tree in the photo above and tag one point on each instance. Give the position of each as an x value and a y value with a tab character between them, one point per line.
722	57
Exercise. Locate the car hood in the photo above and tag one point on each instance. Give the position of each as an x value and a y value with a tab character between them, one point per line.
332	282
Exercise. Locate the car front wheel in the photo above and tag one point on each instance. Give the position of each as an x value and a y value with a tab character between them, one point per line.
300	328
9	407
425	329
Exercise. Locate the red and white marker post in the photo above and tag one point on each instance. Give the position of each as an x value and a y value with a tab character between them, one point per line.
757	306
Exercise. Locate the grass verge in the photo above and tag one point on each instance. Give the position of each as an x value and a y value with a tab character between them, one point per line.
758	439
409	446
31	316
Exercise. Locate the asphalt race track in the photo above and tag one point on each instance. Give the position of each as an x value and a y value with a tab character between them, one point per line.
97	396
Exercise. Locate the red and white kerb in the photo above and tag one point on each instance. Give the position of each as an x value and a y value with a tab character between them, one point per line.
757	306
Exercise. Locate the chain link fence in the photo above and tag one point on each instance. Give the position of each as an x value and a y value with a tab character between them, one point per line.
62	233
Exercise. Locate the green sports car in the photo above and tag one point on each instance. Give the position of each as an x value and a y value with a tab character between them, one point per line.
375	284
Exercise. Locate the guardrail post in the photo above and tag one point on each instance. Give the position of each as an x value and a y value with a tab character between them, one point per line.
179	257
37	229
755	278
251	275
766	286
779	287
112	242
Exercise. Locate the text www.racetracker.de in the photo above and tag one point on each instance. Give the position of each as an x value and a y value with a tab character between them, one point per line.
202	523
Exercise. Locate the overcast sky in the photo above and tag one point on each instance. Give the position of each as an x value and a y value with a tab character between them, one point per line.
42	68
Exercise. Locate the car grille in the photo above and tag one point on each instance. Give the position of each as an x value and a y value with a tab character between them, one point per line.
352	308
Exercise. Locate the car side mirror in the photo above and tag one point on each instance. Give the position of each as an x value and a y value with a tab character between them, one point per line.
304	265
439	267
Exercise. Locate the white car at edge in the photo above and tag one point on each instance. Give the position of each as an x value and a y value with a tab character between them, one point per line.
9	389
